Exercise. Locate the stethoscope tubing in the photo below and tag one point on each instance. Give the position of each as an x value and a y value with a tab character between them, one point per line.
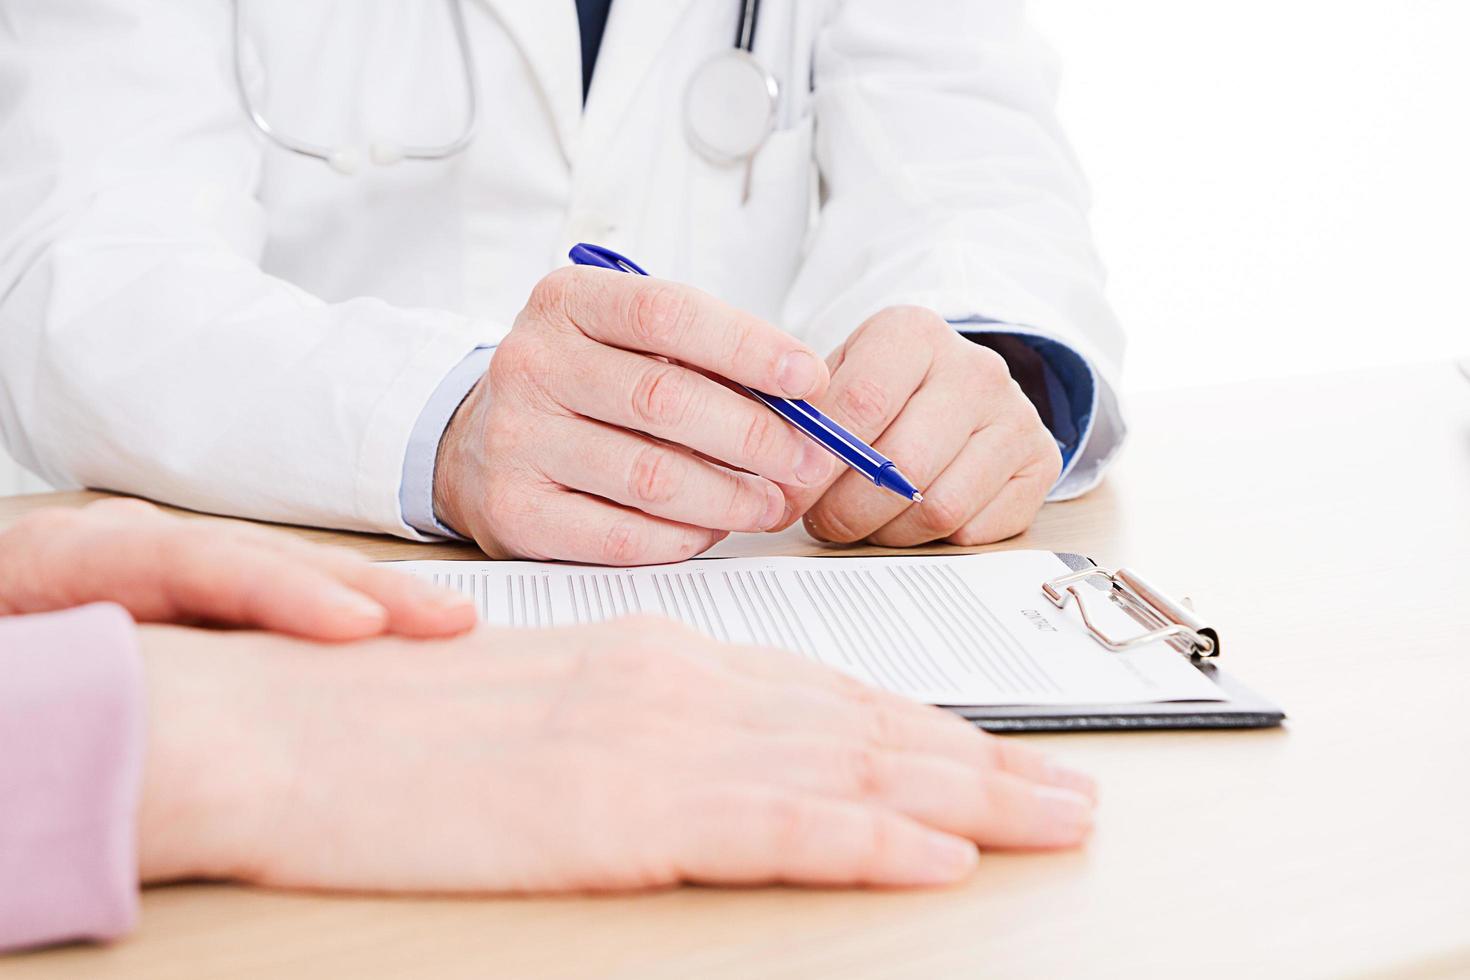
329	154
342	158
750	15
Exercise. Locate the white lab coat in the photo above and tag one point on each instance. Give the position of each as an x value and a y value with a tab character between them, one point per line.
191	314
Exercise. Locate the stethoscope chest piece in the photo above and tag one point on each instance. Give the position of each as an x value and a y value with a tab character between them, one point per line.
730	107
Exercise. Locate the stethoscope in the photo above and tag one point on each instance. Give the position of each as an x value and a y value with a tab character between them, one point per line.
729	105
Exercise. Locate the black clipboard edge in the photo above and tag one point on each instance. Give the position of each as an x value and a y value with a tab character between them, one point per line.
1126	723
1243	709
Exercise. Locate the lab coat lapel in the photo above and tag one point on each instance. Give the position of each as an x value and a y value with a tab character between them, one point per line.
636	36
546	32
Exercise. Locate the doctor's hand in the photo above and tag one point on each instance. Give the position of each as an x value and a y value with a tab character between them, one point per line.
166	569
596	437
947	412
634	754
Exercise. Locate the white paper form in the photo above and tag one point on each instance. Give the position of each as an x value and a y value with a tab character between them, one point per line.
953	630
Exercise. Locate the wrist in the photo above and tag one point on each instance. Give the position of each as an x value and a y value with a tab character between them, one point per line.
219	762
455	456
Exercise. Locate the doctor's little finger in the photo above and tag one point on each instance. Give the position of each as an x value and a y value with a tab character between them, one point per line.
565	525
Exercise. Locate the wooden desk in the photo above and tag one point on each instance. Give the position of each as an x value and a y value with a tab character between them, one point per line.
1325	527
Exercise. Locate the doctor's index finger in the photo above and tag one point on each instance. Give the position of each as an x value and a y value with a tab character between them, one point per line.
684	324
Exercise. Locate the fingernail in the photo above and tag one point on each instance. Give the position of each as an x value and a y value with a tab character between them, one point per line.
441	598
787	515
358	606
775	507
1067	812
947	858
813	465
797	374
1072	779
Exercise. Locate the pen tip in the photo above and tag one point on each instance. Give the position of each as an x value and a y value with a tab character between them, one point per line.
918	497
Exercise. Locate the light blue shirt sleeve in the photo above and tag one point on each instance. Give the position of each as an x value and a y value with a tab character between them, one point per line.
1070	384
416	491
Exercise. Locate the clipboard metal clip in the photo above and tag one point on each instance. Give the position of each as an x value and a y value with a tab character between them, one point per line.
1163	618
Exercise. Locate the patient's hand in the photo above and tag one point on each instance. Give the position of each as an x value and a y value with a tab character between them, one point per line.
166	569
627	755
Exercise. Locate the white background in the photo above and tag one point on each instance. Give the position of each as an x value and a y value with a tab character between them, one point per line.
1280	185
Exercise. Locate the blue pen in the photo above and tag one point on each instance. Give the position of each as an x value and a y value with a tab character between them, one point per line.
817	427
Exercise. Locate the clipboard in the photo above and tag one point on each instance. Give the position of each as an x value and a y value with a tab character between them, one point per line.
1162	619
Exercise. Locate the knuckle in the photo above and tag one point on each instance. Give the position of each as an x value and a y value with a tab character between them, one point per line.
826	522
656	666
762	438
745	505
862	769
989	367
623	544
661	314
522	359
629	660
638	671
552	291
661	397
880	725
745	345
941	513
863	402
651	476
850	688
791	823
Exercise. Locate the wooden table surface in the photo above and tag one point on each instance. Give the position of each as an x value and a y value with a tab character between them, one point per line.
1323	524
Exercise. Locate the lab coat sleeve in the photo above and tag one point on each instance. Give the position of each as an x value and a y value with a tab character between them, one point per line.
142	348
946	183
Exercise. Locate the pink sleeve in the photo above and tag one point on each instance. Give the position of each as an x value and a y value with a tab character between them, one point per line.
71	754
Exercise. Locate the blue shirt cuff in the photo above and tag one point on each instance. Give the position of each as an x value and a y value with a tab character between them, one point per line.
1070	383
416	491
